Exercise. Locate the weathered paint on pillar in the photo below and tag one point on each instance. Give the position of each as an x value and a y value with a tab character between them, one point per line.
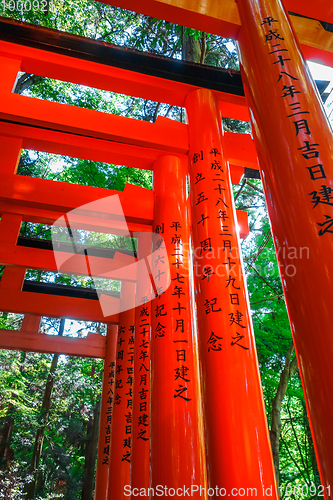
140	463
121	434
104	439
295	149
238	448
177	443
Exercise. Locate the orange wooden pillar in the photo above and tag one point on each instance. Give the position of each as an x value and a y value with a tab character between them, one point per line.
31	322
104	439
177	445
10	68
295	149
10	148
10	225
238	449
12	276
10	154
121	434
140	462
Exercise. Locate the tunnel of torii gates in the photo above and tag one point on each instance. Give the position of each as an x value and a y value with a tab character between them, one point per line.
182	404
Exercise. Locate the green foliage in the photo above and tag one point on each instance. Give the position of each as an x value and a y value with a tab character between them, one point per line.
79	171
85	18
76	391
73	94
273	338
231	125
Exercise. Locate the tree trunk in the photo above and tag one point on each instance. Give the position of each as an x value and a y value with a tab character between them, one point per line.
91	454
34	465
289	369
312	454
25	81
192	50
6	453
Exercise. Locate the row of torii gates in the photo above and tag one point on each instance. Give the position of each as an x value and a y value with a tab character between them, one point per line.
181	407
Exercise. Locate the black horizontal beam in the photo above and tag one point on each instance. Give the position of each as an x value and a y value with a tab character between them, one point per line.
251	173
199	75
327	26
65	290
60	246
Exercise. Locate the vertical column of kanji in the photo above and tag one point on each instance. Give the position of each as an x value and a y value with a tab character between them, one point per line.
140	466
104	439
120	449
295	148
238	449
177	448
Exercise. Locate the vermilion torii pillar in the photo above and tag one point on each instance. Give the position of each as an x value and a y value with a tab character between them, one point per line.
237	441
104	439
177	443
295	148
140	462
121	434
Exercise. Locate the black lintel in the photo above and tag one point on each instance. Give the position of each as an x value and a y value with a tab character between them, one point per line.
65	290
59	246
199	75
251	173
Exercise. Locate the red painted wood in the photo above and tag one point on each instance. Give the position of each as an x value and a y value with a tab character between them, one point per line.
140	459
121	434
36	258
64	197
10	225
204	22
104	438
12	279
55	306
237	440
166	135
177	440
93	346
83	72
295	151
240	149
10	154
31	323
44	216
10	67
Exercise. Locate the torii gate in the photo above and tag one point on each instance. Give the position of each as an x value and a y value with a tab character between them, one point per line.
160	434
